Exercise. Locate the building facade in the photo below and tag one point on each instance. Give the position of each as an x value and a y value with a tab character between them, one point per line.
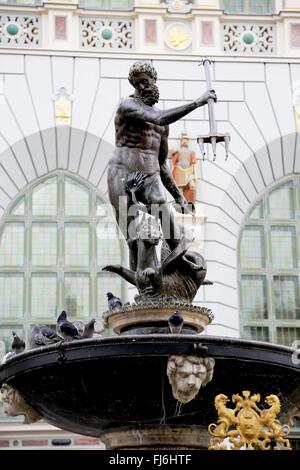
63	70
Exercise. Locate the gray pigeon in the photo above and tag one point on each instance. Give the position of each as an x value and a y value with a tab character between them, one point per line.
66	329
113	302
80	326
42	336
175	323
7	356
17	347
89	329
18	344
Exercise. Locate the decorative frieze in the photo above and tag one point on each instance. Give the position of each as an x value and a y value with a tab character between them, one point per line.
20	31
108	33
248	38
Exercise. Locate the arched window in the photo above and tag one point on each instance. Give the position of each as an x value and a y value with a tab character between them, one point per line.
53	244
269	266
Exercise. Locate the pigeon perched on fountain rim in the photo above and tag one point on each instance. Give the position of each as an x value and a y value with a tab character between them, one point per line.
18	345
113	302
42	335
175	322
65	329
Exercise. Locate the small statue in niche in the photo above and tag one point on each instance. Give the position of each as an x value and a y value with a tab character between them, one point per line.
184	169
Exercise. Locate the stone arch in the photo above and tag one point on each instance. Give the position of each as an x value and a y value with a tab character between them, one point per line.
67	148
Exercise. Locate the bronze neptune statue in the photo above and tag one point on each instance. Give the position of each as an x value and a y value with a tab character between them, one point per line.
137	178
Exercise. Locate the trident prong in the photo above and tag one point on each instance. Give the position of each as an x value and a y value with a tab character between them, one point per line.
213	137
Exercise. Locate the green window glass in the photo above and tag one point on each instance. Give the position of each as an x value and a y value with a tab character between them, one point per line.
252	247
77	244
281	202
254	297
11	295
12	244
269	266
54	242
283	247
286	297
257	7
77	294
43	295
44	244
76	199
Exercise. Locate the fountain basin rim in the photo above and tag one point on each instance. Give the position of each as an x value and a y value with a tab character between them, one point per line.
220	348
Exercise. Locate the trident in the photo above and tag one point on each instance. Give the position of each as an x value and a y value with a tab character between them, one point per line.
213	137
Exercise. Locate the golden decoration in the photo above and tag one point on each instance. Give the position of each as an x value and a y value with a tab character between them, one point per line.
247	426
296	102
63	106
178	36
177	4
63	111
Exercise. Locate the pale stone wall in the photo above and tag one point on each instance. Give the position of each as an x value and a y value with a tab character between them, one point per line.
255	106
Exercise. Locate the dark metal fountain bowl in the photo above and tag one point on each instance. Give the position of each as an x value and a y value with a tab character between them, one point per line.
97	386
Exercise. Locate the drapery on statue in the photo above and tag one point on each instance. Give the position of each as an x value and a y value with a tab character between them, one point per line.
138	176
184	169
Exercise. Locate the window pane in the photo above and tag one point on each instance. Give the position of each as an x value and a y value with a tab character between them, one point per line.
108	244
248	6
103	209
77	295
281	202
233	6
77	244
254	297
6	337
260	6
44	244
107	283
287	335
11	295
252	247
44	198
19	208
283	247
12	245
257	211
43	295
107	4
258	333
286	297
76	198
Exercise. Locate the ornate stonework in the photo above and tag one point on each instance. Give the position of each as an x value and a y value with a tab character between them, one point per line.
20	30
15	405
187	374
108	33
249	38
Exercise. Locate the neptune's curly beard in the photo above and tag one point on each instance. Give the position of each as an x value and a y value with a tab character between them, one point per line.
150	95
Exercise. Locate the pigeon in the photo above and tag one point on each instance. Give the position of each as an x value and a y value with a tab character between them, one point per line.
66	329
113	302
7	356
175	323
89	329
80	326
17	347
18	344
42	336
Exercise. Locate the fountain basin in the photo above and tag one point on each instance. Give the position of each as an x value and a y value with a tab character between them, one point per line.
112	385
